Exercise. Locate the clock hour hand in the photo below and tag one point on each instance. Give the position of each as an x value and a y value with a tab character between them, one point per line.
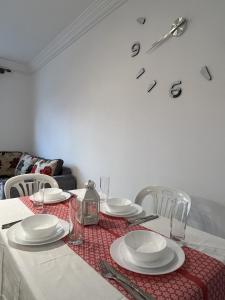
177	29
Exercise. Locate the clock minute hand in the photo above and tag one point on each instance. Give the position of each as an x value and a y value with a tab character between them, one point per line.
162	40
175	26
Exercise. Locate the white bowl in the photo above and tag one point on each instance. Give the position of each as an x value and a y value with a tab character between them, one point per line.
145	246
39	226
52	193
118	204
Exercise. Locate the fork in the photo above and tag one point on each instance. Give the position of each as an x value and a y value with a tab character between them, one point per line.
136	292
140	220
105	273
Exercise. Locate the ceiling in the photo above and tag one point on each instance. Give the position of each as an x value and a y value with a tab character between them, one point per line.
28	26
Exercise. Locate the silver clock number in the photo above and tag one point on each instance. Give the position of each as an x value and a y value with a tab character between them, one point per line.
140	73
152	85
175	90
206	73
135	49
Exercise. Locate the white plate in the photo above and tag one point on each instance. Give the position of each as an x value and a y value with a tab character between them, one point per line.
134	210
16	235
164	260
120	257
63	197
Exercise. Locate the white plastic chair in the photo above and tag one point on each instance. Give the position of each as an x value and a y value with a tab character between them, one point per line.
23	184
163	200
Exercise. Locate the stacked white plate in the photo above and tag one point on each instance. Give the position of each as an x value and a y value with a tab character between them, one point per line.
38	230
52	195
171	258
120	207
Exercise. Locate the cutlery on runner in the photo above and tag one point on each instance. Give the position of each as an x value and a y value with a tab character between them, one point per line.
109	272
141	220
109	275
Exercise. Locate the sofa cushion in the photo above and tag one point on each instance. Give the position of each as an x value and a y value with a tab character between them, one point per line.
8	162
25	164
47	166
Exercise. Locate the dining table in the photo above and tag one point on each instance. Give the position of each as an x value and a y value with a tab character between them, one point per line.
59	270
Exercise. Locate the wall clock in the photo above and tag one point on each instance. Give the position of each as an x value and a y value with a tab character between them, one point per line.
176	30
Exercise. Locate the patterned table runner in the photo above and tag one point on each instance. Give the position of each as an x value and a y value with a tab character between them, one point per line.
201	276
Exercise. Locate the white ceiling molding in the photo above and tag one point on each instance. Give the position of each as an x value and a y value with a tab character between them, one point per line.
14	66
81	25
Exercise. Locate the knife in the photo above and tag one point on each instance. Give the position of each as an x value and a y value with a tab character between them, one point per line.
8	225
127	281
142	220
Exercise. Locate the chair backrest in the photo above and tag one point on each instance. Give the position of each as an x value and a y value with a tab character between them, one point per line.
23	184
163	200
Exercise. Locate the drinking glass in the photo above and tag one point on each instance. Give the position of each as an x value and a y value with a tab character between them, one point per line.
178	219
76	235
38	189
104	187
1	190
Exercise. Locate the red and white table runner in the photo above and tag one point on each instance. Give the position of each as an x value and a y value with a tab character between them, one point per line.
201	276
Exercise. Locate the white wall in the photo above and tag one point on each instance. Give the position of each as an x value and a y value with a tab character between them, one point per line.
16	112
93	113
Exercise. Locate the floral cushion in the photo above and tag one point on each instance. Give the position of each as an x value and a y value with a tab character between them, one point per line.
8	162
25	164
48	167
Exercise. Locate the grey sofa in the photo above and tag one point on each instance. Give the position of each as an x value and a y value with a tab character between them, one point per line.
66	180
14	163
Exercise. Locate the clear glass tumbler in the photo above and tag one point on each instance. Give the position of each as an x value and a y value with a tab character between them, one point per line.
104	187
178	220
1	190
76	235
38	190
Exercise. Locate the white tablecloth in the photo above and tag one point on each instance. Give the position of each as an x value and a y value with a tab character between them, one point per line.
55	272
